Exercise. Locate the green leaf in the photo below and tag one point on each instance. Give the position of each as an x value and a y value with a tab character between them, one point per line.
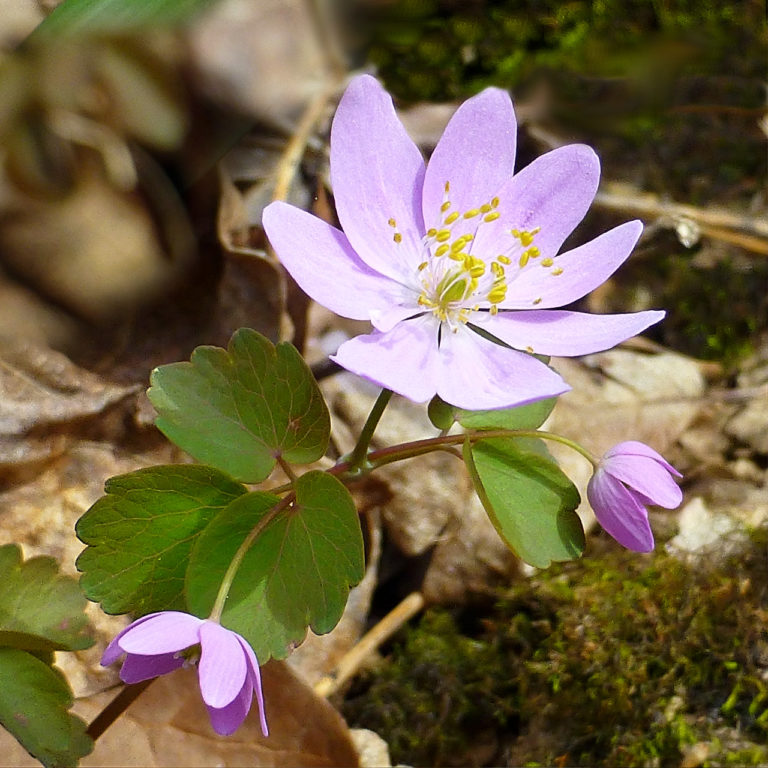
40	610
140	535
297	573
528	498
530	416
238	409
34	699
76	17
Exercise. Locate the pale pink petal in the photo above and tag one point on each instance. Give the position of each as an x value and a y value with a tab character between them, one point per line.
478	374
619	512
567	334
636	448
321	260
404	359
226	720
583	270
162	633
137	668
223	669
386	320
113	651
476	154
553	192
255	676
377	174
646	476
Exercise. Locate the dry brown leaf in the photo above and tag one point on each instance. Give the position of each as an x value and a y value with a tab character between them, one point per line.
42	397
168	726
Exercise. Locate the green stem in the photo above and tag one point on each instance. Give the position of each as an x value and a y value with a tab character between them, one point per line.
359	454
237	560
420	447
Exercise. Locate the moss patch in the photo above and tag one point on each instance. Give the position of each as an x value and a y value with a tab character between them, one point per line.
617	660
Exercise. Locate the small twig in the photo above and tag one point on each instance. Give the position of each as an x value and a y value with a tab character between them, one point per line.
291	158
116	707
353	659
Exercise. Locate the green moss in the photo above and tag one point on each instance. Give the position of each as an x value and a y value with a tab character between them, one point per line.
616	660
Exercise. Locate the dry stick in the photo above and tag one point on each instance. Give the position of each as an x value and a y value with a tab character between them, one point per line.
748	232
353	659
116	707
291	158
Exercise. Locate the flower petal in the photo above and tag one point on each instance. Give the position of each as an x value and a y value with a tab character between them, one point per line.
636	448
477	374
377	174
476	154
223	669
164	632
567	334
254	674
404	359
584	269
619	512
553	192
321	260
226	720
648	477
113	651
137	668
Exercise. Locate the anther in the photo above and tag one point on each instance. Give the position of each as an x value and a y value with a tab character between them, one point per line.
451	217
447	187
503	259
491	216
472	213
523	259
495	202
557	271
443	235
392	223
485	208
431	232
423	266
445	206
441	250
397	237
547	262
537	301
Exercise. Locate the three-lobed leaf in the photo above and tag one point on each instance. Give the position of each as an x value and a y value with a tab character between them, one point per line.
528	498
140	535
296	574
40	610
34	704
238	409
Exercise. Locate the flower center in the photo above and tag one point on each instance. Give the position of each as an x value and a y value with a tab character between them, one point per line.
453	282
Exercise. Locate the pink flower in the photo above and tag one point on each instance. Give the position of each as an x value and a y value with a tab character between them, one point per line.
228	671
629	476
456	264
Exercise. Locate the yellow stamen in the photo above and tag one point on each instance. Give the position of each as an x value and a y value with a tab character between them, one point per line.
443	235
504	259
523	259
451	217
442	249
397	237
491	216
485	208
472	213
557	271
445	206
447	187
547	262
495	202
392	223
537	301
423	266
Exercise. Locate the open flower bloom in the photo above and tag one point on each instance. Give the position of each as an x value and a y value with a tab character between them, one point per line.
228	670
439	258
629	476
